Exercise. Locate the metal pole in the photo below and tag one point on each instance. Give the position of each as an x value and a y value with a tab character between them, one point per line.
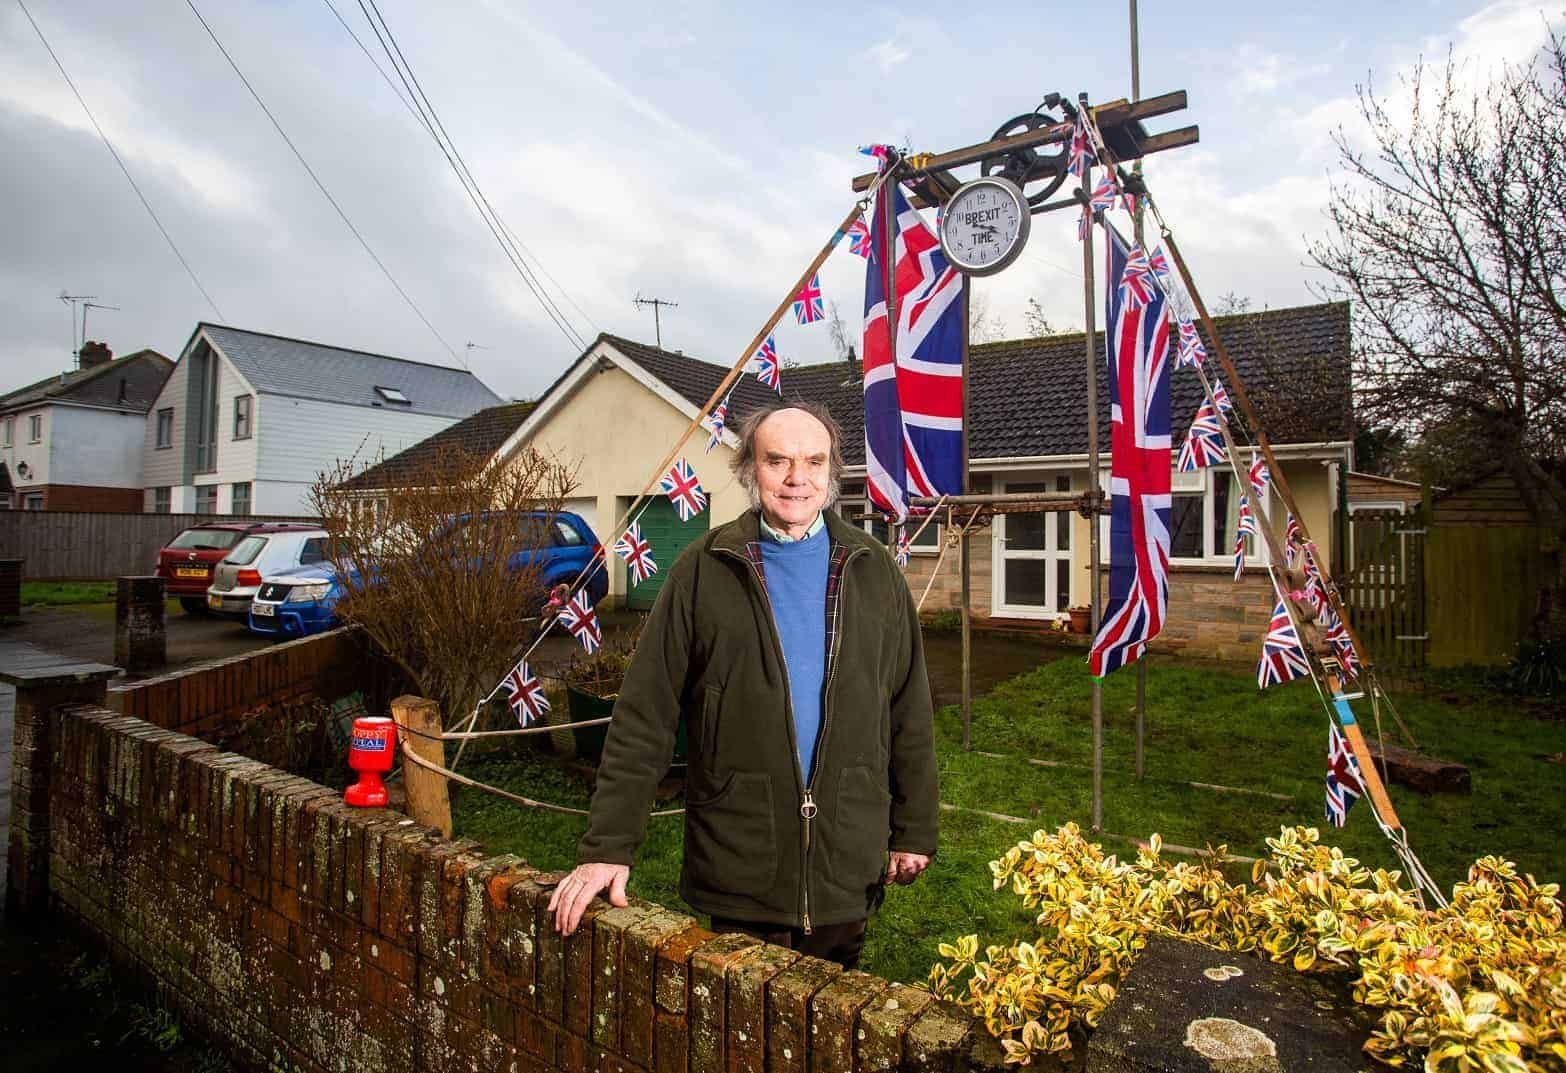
965	563
1089	325
1141	664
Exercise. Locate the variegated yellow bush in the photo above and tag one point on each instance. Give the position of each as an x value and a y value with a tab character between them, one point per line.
1477	986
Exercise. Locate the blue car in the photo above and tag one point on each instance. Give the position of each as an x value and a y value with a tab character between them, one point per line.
303	601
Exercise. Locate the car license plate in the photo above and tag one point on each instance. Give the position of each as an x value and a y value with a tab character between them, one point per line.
215	601
189	571
264	610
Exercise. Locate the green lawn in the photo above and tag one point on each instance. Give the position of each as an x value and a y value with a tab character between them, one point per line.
1204	725
63	593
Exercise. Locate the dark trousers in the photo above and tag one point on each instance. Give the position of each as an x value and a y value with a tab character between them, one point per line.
841	943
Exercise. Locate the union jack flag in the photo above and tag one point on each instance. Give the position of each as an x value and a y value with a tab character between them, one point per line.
764	363
882	153
1137	351
1293	530
1084	224
637	553
714	423
808	305
902	547
1344	785
1246	526
1136	285
1105	194
527	699
1221	397
1337	636
1203	445
1192	352
1312	571
1082	155
913	372
859	237
1283	658
684	490
579	617
1260	475
1159	262
1239	555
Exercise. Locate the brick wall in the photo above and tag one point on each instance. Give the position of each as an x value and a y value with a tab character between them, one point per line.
305	935
90	497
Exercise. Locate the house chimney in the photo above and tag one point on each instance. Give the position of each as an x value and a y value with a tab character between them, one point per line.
94	353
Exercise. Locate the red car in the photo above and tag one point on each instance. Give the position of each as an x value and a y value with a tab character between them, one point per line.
186	563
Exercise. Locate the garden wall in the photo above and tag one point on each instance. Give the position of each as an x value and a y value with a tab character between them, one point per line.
306	935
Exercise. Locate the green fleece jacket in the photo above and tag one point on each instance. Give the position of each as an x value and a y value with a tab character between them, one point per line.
762	841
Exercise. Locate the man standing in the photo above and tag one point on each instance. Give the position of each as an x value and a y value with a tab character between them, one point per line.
789	643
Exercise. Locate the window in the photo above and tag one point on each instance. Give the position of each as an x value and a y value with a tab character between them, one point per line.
242	417
314	551
239	498
35	428
165	428
391	394
34	501
566	535
1204	511
927	541
246	550
10	432
206	499
5	500
207	539
161	500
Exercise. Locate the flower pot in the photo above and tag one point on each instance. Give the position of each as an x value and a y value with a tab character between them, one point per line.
1081	619
590	740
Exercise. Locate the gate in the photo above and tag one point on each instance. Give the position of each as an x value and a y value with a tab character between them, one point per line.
1384	585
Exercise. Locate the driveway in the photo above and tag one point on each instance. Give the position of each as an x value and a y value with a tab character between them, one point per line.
86	632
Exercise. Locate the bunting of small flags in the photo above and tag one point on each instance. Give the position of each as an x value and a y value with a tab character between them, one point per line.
1192	352
1317	597
1204	443
808	304
1312	571
1105	194
1283	658
527	699
1344	784
1260	475
684	490
1159	262
764	363
1293	530
637	553
902	547
1082	155
1136	282
1246	525
882	153
714	423
1239	555
1221	397
1084	224
579	617
859	237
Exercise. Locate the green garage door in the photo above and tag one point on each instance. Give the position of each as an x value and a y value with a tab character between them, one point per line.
662	528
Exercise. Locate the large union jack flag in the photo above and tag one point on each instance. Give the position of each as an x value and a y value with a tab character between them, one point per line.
764	363
1344	785
684	490
1137	351
1283	657
913	391
637	553
1203	445
808	304
579	617
527	699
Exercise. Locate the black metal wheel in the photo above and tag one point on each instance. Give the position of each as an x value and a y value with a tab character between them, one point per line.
1040	170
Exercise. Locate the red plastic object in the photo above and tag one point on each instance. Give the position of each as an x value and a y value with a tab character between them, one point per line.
370	753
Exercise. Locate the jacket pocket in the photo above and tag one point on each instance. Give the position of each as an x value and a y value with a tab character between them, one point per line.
731	837
862	827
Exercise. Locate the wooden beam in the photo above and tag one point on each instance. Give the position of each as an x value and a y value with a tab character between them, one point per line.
1171	139
418	724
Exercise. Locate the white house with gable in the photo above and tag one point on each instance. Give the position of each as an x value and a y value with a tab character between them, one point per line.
247	420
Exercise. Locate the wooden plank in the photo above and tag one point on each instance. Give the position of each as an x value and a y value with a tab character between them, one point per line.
418	725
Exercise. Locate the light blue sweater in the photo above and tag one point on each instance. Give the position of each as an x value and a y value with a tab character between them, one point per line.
796	573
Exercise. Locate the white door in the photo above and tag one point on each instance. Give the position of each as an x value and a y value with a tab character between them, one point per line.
1032	555
587	508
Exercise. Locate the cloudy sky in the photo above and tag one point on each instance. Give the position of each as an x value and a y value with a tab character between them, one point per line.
699	152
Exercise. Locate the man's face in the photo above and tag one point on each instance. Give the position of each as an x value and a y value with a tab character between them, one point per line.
793	469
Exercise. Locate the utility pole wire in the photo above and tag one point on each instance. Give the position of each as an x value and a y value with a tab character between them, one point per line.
126	171
319	184
464	175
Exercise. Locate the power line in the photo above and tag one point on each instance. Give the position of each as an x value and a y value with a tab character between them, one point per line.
464	174
320	185
384	76
126	171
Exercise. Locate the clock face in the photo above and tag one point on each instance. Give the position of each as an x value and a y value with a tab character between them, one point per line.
984	226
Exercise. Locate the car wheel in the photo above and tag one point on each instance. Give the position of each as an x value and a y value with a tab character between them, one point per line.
193	605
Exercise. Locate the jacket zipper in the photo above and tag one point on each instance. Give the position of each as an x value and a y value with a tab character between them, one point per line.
807	801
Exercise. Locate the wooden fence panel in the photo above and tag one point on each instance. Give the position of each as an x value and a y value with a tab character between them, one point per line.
1383	586
59	545
1482	584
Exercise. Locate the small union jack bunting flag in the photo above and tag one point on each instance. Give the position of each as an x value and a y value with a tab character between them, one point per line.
1192	352
808	304
1318	600
1344	784
881	153
684	490
1260	475
1221	397
527	699
637	553
859	237
1136	282
579	617
1246	525
764	363
1158	261
1293	530
714	422
1105	194
1204	443
1312	571
902	547
1239	555
1082	155
1084	224
1283	658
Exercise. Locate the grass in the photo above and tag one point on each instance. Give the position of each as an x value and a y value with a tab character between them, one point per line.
1204	724
66	593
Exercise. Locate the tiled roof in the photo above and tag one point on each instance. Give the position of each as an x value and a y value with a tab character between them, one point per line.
143	374
1028	397
477	437
279	366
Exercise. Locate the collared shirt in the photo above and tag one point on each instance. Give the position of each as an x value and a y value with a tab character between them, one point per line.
783	538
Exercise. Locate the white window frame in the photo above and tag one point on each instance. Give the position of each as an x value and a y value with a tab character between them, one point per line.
212	500
10	433
250	502
161	442
1053	554
35	428
250	411
162	499
928	544
33	501
1183	483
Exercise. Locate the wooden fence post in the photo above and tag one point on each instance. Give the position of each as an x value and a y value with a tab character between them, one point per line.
418	724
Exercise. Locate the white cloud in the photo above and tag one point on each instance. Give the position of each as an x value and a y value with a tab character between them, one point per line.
888	54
